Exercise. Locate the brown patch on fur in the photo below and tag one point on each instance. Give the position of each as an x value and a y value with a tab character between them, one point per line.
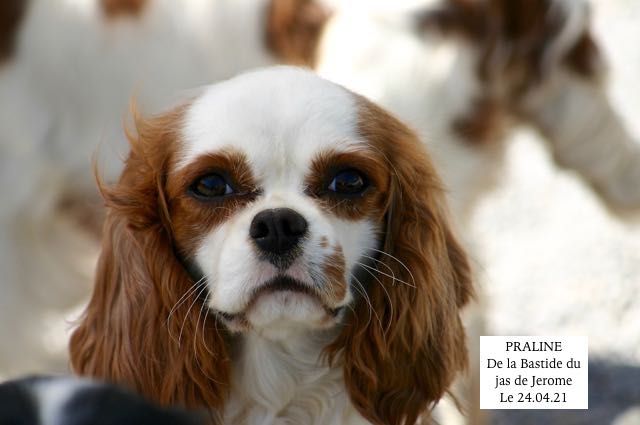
512	35
461	17
127	334
294	28
513	38
11	15
191	217
584	58
324	242
368	205
334	275
401	360
119	8
483	123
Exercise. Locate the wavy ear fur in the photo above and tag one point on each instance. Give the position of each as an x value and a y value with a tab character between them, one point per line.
130	332
401	358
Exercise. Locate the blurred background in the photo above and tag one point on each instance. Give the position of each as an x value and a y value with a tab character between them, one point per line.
552	258
557	262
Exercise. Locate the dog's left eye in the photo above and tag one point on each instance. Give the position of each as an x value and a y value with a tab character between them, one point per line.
348	182
211	186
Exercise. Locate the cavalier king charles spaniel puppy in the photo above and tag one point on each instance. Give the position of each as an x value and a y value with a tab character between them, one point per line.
278	250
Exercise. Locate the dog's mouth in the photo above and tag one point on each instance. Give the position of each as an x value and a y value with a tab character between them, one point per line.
283	288
283	283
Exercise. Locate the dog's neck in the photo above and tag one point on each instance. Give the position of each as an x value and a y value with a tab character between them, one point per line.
287	380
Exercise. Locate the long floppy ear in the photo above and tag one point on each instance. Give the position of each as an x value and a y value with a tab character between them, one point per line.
401	358
144	326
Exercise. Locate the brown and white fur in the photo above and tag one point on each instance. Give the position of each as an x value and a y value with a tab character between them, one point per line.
68	69
319	283
460	72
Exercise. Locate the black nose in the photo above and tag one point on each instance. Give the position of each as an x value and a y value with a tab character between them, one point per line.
277	231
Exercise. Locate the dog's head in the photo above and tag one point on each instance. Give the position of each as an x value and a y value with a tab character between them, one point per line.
278	203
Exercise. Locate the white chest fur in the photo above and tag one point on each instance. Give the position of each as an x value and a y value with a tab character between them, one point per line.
288	382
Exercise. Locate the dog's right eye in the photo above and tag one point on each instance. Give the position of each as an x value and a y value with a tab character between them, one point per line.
348	182
211	186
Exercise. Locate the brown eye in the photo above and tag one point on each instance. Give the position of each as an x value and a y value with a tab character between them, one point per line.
211	186
348	182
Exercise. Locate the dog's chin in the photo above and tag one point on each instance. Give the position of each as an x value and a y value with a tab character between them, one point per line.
279	314
281	308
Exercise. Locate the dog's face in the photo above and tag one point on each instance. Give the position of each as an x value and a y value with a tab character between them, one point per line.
280	203
277	201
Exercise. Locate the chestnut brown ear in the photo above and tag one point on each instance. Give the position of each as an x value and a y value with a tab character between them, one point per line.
400	358
293	29
145	305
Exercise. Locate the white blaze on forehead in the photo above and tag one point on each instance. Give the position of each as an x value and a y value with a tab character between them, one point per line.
279	117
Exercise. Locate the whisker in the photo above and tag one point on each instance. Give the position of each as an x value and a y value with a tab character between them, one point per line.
380	262
195	335
204	341
385	274
195	339
184	321
186	294
183	298
204	322
193	288
363	292
399	262
385	330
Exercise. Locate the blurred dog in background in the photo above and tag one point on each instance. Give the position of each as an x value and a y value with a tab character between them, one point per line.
67	71
477	69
